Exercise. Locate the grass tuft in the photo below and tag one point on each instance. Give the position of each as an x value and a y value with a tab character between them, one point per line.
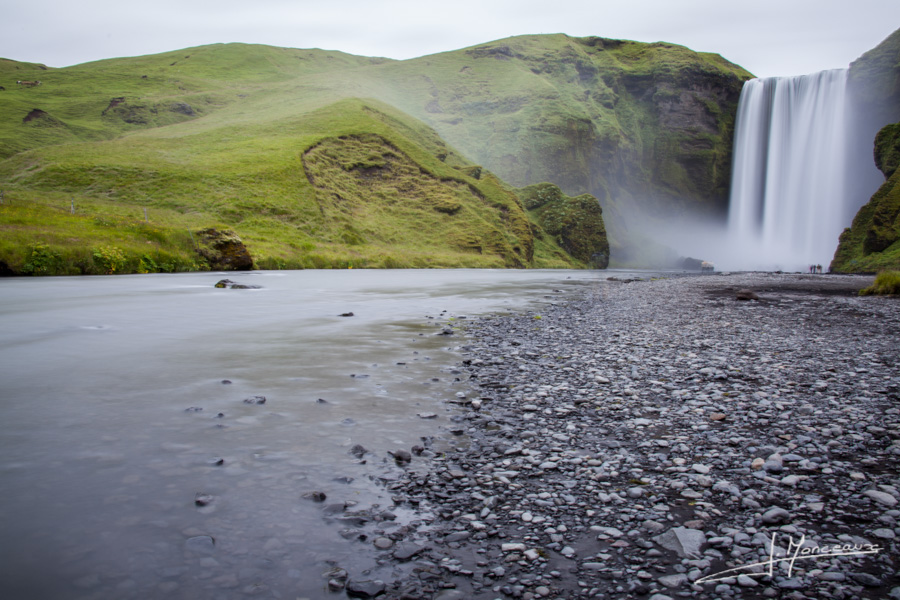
887	283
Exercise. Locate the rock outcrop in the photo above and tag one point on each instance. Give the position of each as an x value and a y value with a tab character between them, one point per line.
223	250
645	128
576	223
872	243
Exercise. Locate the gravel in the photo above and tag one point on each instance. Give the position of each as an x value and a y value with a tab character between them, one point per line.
649	435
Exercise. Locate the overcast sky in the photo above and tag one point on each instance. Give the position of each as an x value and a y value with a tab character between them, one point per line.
767	37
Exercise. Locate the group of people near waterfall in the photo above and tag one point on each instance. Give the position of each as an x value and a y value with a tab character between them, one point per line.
815	269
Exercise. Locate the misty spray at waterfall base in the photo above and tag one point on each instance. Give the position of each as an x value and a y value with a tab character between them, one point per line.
797	181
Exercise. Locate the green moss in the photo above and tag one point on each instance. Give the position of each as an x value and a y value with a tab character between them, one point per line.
575	223
872	242
887	149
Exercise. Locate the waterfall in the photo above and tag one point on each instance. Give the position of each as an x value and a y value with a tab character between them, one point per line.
789	200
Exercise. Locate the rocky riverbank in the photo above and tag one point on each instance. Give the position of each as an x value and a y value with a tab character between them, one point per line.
642	440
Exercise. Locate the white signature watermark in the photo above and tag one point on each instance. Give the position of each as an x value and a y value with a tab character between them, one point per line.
795	552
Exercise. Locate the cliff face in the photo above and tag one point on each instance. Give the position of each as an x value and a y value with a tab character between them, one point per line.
872	243
650	124
645	128
874	81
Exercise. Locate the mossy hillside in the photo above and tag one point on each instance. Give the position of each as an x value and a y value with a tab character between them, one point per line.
573	111
104	99
250	177
381	196
42	236
652	123
872	242
576	223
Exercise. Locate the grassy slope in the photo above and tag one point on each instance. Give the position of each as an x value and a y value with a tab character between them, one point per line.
241	165
645	128
532	108
574	99
872	242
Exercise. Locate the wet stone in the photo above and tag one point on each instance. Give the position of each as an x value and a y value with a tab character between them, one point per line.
407	550
202	499
365	588
200	544
636	438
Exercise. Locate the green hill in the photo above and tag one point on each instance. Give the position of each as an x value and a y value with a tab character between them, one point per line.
872	242
257	139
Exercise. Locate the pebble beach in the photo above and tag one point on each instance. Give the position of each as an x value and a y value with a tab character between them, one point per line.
718	436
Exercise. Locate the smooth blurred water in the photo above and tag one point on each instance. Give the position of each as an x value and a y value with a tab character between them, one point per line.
100	461
790	198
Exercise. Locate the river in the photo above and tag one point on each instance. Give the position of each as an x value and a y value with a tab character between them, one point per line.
123	398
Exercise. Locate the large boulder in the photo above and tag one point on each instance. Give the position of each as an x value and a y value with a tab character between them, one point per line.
223	250
576	223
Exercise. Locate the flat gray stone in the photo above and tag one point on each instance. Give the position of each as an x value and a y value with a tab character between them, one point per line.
201	544
407	550
683	541
673	581
881	497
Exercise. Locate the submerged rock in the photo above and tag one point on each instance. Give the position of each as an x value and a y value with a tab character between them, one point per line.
200	544
231	285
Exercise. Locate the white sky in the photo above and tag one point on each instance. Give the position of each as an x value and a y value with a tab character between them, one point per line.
766	37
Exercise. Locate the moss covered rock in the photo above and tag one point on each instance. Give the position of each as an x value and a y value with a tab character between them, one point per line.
872	242
223	250
576	223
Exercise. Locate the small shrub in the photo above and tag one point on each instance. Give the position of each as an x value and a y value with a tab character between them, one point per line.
886	283
147	265
41	261
109	258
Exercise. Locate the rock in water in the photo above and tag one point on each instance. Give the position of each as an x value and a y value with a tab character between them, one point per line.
402	457
229	284
358	450
201	544
365	589
407	550
203	499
